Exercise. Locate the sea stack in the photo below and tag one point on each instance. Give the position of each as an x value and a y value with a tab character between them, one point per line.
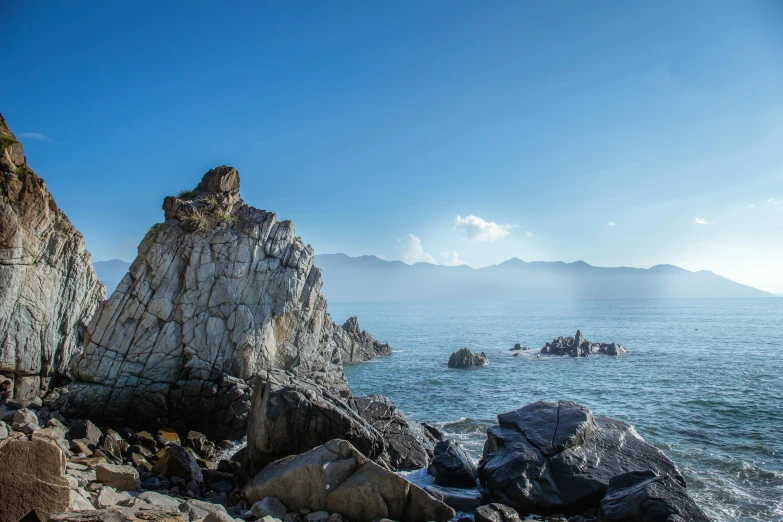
48	287
464	358
220	291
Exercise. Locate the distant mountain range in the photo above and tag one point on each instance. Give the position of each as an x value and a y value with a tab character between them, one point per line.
368	278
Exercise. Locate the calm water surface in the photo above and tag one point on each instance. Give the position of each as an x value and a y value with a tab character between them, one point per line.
703	380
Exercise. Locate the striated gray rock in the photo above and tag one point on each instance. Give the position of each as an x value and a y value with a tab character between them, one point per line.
357	345
496	513
48	287
645	496
578	346
409	445
557	458
464	358
337	478
452	467
219	292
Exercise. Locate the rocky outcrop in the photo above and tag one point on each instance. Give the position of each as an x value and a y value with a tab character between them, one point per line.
337	478
464	358
48	287
645	496
578	346
122	514
452	467
357	345
409	445
557	458
219	292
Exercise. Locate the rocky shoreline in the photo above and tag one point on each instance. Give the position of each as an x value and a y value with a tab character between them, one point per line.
220	332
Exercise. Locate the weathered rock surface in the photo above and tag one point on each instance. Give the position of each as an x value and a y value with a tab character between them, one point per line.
48	287
337	478
32	477
119	477
121	514
176	461
557	458
357	345
409	445
452	467
496	513
219	292
292	415
464	358
645	496
578	346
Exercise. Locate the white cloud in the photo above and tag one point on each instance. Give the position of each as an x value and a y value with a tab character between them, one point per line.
773	201
702	221
411	251
529	234
751	205
477	229
451	258
36	136
610	224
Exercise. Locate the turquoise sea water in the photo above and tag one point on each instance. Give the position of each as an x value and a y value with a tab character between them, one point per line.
703	380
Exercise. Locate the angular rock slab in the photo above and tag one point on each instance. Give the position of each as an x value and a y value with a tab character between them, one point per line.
452	467
337	478
32	477
557	458
48	287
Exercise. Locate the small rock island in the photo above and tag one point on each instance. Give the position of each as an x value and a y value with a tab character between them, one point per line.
464	358
578	346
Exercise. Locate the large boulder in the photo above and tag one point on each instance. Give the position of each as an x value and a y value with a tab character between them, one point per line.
117	476
337	478
645	496
220	291
357	345
578	346
290	415
557	458
48	287
452	467
464	358
409	445
32	477
176	461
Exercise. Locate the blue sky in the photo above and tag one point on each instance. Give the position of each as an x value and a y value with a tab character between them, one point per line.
444	131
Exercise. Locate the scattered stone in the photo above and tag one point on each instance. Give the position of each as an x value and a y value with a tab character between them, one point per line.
578	346
452	467
159	500
119	477
151	483
176	461
496	513
78	501
218	516
85	429
167	436
197	509
269	506
108	497
121	514
24	416
464	358
317	516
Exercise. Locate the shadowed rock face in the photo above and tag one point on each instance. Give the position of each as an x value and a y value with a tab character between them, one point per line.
219	292
556	457
48	286
357	345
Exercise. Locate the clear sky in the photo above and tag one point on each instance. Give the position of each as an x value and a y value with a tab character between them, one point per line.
618	133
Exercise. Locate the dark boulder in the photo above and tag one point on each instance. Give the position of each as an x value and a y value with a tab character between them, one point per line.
176	461
496	513
578	346
452	467
409	445
557	458
517	347
645	496
464	358
435	432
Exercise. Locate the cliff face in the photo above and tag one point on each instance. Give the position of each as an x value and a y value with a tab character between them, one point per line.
48	287
218	293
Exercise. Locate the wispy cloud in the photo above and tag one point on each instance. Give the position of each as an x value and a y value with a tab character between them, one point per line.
610	224
751	205
36	136
451	258
702	221
478	229
529	234
411	250
773	201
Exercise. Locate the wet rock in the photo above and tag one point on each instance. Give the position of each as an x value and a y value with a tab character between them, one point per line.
496	513
119	477
463	500
176	461
337	478
578	346
645	496
435	432
557	458
464	358
452	467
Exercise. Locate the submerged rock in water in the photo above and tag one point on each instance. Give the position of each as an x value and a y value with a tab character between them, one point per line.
578	346
452	467
219	292
48	287
556	457
357	345
464	358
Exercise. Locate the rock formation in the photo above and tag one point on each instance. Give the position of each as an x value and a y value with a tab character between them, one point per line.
464	358
48	287
452	467
557	458
219	292
336	477
357	345
578	346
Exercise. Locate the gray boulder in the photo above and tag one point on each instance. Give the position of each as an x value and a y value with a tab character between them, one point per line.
645	496
452	467
496	513
357	345
578	346
464	358
557	458
48	287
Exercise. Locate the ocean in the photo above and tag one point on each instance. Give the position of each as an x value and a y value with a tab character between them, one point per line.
703	380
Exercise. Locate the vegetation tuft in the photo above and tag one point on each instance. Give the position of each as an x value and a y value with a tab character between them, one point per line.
154	229
187	194
6	140
196	221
